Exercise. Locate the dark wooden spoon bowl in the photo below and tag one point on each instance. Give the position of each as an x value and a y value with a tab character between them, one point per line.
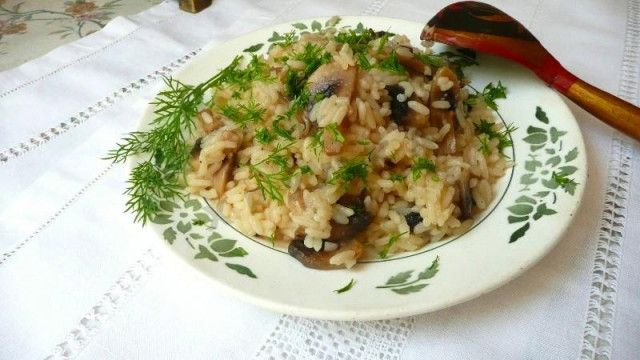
482	27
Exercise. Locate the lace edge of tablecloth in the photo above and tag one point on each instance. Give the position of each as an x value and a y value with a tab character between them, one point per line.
599	325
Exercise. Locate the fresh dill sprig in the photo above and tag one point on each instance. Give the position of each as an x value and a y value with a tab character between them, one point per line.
395	177
420	164
313	55
271	185
503	136
484	144
263	136
148	183
300	102
363	60
393	238
305	169
352	170
383	42
244	114
357	39
392	65
434	60
335	133
459	60
566	183
288	39
156	178
345	288
278	130
317	141
256	70
489	95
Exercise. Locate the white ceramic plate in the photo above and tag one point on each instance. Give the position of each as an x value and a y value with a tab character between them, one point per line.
527	218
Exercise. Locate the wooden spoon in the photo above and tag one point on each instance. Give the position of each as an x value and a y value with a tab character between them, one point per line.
482	27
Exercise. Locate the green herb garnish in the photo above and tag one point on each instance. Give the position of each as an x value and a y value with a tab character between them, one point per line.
156	179
306	169
503	136
244	114
392	64
350	171
284	133
271	184
434	60
463	58
392	240
489	95
317	142
287	39
383	41
313	55
263	136
333	129
420	164
363	60
565	182
395	177
357	39
346	287
484	144
256	70
364	142
299	103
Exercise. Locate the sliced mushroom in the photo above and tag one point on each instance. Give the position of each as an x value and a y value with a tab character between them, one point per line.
401	113
197	146
331	79
466	197
208	121
399	109
444	88
223	175
331	145
413	219
342	235
295	201
322	259
409	61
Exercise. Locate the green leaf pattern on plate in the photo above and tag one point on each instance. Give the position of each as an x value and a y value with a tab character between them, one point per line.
547	175
190	222
403	284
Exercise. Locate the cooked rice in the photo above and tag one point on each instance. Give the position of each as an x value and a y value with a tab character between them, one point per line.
310	200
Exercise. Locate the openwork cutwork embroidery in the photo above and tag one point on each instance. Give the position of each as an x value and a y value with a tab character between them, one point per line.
598	331
115	297
92	110
300	338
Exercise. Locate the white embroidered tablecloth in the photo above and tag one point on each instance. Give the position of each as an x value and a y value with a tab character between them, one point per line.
79	280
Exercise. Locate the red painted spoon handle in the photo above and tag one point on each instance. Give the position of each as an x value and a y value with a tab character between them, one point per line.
606	107
484	28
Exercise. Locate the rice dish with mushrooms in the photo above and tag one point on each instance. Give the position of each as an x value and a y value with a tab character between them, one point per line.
346	145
